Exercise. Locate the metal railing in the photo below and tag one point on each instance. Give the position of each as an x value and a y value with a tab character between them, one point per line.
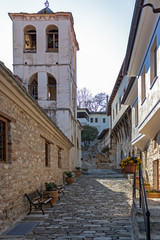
143	202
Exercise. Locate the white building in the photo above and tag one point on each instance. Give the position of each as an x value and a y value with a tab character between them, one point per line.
44	57
143	93
100	120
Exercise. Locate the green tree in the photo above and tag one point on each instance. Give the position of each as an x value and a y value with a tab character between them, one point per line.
88	134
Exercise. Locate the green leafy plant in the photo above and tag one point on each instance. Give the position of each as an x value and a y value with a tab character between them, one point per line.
50	186
69	174
153	191
78	168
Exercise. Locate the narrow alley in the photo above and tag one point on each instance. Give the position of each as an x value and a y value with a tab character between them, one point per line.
97	206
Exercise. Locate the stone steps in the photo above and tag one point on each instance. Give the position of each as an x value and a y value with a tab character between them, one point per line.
154	209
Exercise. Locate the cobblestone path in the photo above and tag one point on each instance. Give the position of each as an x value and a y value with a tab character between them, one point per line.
97	206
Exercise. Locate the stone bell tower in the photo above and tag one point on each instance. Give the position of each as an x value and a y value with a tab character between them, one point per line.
44	57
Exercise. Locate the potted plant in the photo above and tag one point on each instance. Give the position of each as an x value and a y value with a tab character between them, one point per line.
129	164
153	193
78	171
69	177
52	191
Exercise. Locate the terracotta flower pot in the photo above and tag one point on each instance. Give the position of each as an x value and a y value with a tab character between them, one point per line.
130	168
53	194
78	173
69	180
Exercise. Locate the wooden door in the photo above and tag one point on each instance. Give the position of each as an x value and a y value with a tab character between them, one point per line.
156	174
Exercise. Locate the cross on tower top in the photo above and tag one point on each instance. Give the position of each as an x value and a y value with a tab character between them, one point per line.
46	4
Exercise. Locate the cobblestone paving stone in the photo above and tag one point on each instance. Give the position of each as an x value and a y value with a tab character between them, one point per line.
97	206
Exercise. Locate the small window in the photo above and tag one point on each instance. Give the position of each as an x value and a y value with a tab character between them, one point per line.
52	39
96	120
136	114
153	61
59	158
3	140
143	85
104	120
30	39
47	153
116	109
113	114
119	103
91	120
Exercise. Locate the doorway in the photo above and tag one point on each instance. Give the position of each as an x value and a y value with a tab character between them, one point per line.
156	174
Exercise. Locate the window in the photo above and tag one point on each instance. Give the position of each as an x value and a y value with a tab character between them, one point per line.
113	114
104	120
3	140
153	61
119	103
96	120
33	87
52	39
136	114
59	158
143	85
91	120
47	153
30	39
116	109
51	88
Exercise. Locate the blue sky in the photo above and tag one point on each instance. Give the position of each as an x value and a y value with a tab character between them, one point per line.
102	28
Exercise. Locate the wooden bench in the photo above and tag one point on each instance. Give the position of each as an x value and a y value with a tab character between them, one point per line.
37	200
60	189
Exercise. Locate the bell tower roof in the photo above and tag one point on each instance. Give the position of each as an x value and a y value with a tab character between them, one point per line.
46	9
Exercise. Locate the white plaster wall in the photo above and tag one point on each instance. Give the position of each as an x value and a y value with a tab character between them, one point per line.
99	125
152	96
57	64
42	85
64	122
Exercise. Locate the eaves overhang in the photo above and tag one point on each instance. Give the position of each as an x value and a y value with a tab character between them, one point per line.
133	32
128	90
115	89
140	142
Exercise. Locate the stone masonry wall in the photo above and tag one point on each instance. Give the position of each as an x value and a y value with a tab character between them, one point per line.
149	156
26	170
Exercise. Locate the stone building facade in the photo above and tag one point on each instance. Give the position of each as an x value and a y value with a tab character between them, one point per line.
44	57
120	122
33	150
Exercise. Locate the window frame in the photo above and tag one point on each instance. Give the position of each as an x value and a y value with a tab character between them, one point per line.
143	85
153	62
31	31
59	157
4	146
52	32
136	114
96	120
47	154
